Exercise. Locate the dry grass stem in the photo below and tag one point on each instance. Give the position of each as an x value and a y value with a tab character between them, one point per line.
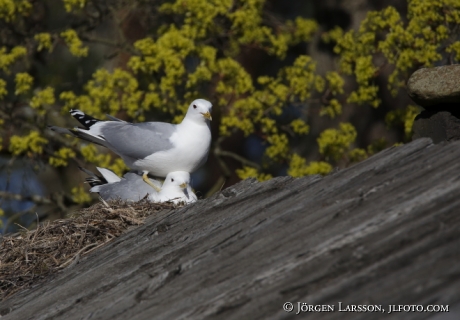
28	256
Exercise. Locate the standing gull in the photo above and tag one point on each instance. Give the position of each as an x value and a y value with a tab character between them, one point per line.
131	187
152	147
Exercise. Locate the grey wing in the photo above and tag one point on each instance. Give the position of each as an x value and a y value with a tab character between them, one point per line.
130	188
138	140
79	134
114	118
137	185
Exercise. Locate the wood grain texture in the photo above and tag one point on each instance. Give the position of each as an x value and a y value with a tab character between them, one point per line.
384	231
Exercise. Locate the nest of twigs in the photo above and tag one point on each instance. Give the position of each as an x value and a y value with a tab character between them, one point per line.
28	256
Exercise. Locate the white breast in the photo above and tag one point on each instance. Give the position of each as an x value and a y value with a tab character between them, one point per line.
191	147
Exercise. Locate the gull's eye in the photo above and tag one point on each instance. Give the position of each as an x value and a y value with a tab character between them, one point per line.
172	180
194	106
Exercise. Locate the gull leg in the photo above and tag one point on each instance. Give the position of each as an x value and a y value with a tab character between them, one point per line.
146	180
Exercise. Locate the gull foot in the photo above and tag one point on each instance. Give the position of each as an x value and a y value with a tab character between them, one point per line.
147	180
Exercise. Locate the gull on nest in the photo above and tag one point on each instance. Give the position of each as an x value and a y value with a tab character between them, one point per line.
157	148
131	187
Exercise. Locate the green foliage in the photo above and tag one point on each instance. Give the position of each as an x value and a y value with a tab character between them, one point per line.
3	90
250	172
11	9
44	41
42	99
79	195
24	82
405	117
429	31
357	155
194	49
60	158
108	93
104	160
74	43
333	109
299	126
333	143
7	59
71	5
298	167
454	48
30	144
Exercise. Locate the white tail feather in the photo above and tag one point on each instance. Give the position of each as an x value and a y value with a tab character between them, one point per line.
109	175
95	189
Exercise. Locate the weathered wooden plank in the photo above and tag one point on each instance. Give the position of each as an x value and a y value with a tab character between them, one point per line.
385	231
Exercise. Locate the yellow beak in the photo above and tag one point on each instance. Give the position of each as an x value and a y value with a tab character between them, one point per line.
183	186
207	115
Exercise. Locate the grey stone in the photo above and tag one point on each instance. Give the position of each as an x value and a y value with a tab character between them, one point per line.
439	126
385	231
435	86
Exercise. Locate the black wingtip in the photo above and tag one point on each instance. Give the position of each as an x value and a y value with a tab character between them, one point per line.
84	119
